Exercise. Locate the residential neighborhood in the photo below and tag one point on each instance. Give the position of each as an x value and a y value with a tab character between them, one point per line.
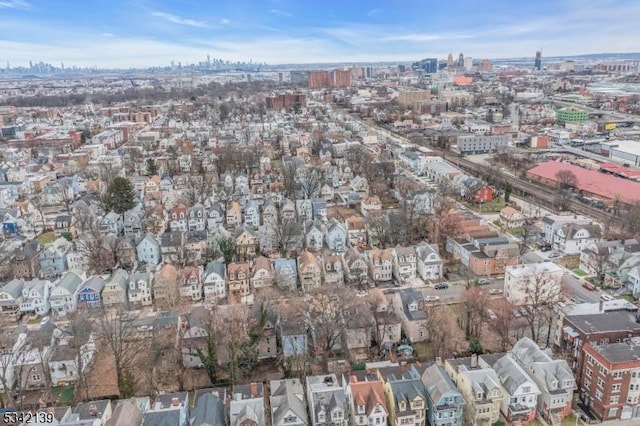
276	252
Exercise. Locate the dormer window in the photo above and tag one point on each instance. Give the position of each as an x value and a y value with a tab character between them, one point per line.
361	409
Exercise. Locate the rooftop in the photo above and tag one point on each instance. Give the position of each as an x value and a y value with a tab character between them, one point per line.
620	352
605	322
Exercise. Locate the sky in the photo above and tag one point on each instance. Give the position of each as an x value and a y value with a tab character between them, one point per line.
141	33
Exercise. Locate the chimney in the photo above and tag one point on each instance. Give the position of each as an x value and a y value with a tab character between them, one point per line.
254	389
474	361
439	361
175	402
93	410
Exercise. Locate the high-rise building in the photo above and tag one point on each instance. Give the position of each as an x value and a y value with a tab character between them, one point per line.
428	65
461	60
468	63
538	63
485	66
449	60
340	78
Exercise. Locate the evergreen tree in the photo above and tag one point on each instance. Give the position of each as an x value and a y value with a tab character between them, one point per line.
152	168
507	192
120	196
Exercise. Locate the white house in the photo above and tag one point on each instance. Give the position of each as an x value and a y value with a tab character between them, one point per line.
572	238
327	401
69	356
520	391
522	283
139	288
288	407
148	250
429	263
35	297
63	297
214	283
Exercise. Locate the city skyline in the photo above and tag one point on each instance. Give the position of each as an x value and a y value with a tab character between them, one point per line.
143	33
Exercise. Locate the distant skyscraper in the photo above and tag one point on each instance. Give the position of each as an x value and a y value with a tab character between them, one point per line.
461	60
428	65
449	60
538	63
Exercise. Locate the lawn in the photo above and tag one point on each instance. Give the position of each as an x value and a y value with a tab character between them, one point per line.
579	272
629	298
46	238
516	231
570	420
491	207
65	394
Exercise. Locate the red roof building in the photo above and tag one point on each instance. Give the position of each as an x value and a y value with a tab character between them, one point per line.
589	182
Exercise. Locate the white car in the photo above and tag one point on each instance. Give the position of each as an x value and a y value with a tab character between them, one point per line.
606	297
431	298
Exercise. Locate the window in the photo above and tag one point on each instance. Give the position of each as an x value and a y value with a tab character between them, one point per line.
599	395
617	375
35	377
526	389
603	370
615	388
600	383
589	373
614	399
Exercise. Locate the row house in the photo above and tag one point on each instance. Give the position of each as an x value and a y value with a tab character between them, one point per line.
404	263
286	273
572	238
139	289
132	224
148	250
288	405
445	404
111	223
214	283
380	264
480	388
405	393
64	296
366	398
35	297
178	218
309	271
190	283
247	406
53	259
238	277
114	293
90	292
429	264
553	377
409	303
355	266
26	262
197	218
332	270
11	299
263	275
327	401
31	362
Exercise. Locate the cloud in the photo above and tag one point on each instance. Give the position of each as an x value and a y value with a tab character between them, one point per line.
225	21
373	12
107	35
281	13
14	4
179	20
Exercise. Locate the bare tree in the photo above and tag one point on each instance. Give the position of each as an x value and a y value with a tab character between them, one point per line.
566	179
289	178
540	291
99	249
328	313
311	183
11	347
503	323
80	327
121	340
437	328
288	236
474	311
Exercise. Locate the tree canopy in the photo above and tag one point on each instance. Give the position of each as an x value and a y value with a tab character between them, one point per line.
120	195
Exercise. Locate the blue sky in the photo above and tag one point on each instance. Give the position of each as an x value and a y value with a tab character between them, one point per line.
119	33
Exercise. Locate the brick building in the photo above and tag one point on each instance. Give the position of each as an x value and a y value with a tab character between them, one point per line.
611	379
285	101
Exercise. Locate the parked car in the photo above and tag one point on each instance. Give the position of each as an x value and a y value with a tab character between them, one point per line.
431	298
483	281
516	313
607	297
495	291
554	255
589	286
441	286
